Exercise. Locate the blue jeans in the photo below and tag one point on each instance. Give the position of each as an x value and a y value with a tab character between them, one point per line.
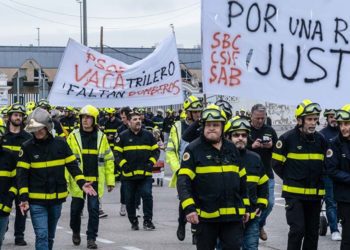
331	205
44	220
265	213
251	235
142	187
76	208
3	226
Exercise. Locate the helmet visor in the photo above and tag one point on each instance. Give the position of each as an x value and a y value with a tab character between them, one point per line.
312	108
195	106
212	115
342	115
240	124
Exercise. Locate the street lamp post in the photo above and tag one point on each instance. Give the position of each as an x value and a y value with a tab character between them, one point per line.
81	21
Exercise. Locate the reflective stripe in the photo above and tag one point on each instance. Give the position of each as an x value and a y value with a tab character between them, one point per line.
187	202
4	173
119	149
216	169
138	147
262	201
188	172
252	215
45	164
43	196
79	177
5	208
71	158
110	130
23	190
122	162
22	164
263	180
137	172
89	152
253	178
91	178
278	157
242	172
148	174
153	160
126	174
13	190
154	147
246	201
296	156
306	191
12	148
221	211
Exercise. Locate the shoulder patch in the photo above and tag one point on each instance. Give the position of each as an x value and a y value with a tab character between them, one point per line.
20	154
279	144
117	139
329	153
186	156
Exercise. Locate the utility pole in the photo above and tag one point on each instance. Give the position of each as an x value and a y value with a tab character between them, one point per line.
101	39
38	36
81	20
85	22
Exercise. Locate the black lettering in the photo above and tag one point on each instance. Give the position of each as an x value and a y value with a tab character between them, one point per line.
311	80
341	52
307	30
111	94
171	68
230	13
82	92
139	82
162	73
339	32
91	94
291	24
129	81
268	64
120	94
71	86
155	77
103	92
292	77
248	18
318	31
270	16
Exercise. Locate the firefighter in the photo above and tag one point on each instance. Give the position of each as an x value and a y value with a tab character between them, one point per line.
96	161
13	139
69	121
237	130
168	122
136	152
158	119
44	104
8	190
226	107
111	125
338	168
298	159
329	132
175	149
41	181
212	185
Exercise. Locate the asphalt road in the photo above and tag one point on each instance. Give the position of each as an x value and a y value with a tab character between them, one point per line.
115	232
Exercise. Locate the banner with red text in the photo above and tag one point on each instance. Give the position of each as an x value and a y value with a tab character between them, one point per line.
86	76
277	51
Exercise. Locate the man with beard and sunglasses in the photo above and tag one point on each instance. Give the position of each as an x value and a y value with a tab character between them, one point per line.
338	168
212	185
136	152
174	150
13	139
237	130
298	159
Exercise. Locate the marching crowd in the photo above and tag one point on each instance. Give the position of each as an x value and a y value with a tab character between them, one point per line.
223	167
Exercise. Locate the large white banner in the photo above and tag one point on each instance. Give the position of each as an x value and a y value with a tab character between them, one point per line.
86	76
279	51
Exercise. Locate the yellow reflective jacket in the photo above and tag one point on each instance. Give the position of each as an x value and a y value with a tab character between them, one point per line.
172	152
105	162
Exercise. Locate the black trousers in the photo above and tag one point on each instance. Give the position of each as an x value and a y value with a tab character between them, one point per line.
20	221
303	218
229	233
344	216
77	206
182	219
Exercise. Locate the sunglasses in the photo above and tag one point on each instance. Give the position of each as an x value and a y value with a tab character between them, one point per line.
237	135
313	108
342	115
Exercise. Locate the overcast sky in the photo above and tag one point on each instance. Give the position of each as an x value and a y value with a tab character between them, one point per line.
127	23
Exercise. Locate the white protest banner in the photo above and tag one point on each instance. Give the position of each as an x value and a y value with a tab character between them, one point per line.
86	76
277	51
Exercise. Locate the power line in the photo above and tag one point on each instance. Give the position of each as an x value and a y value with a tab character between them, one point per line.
107	18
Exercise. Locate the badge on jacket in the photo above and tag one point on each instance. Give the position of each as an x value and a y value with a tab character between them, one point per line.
279	144
329	153
186	156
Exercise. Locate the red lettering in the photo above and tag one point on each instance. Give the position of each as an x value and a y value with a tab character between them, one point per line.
216	34
235	76
90	57
226	41
100	63
213	74
234	42
93	79
119	81
77	78
212	57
